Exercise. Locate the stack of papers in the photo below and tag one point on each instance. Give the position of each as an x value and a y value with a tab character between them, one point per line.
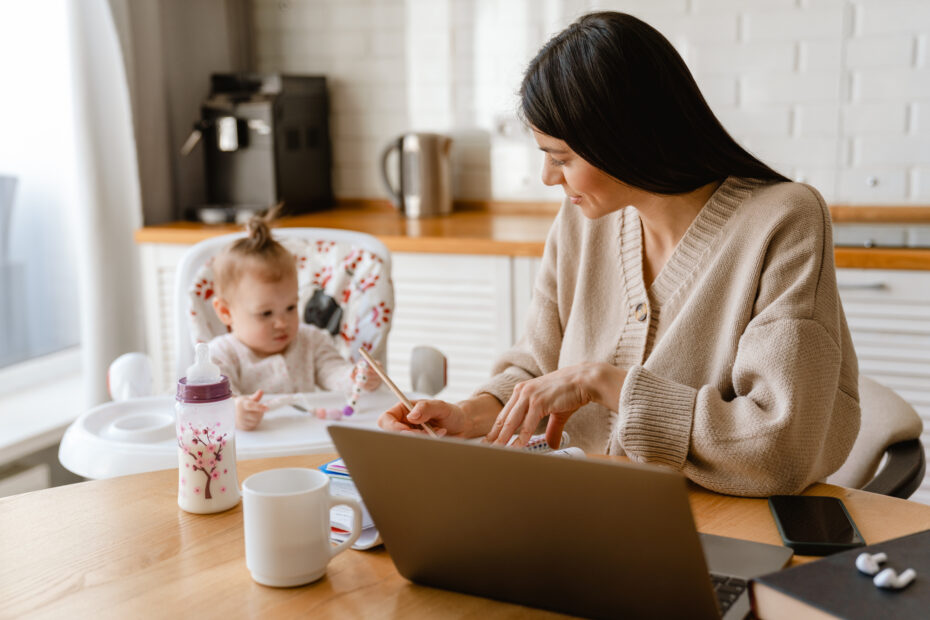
537	443
340	517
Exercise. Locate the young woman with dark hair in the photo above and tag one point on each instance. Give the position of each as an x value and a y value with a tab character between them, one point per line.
619	95
686	311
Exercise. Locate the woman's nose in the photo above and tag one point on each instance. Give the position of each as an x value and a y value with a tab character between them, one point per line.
551	175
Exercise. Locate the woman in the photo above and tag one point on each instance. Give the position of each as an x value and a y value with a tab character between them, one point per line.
686	310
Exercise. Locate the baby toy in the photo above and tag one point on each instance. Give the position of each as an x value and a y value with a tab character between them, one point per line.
361	376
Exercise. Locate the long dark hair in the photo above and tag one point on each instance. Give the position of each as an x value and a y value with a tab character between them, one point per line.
616	91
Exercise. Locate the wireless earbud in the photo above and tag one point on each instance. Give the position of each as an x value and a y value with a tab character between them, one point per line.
891	580
868	563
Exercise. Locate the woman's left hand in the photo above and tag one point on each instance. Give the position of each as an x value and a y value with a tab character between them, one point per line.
558	395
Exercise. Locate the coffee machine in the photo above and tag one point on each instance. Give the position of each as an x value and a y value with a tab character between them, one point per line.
265	140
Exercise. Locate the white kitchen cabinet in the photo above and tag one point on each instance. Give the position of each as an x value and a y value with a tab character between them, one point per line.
459	304
524	271
159	263
889	318
470	307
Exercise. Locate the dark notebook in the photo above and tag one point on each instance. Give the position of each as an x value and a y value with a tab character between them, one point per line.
834	587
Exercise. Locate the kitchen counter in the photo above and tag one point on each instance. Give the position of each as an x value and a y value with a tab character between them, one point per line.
507	232
519	229
917	259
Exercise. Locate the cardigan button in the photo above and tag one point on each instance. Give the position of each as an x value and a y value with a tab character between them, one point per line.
642	312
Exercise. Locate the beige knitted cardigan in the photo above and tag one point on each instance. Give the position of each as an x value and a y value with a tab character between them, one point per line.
741	369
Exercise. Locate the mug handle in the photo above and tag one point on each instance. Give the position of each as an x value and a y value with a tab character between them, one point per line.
394	194
356	522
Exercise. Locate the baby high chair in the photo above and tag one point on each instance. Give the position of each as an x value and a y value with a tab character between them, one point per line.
344	287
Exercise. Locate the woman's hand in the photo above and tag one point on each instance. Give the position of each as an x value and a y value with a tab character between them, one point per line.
558	395
249	411
445	418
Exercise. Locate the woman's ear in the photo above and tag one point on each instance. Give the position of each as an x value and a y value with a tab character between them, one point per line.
221	307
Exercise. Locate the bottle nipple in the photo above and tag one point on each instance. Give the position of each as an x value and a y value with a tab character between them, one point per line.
203	370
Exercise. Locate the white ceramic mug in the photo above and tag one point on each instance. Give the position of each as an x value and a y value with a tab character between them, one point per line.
286	520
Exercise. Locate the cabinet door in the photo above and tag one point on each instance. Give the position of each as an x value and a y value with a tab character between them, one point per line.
889	318
524	270
460	304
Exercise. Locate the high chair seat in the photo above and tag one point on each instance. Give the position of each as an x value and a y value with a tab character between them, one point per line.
344	287
138	435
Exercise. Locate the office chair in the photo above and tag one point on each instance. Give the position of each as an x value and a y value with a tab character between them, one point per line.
889	436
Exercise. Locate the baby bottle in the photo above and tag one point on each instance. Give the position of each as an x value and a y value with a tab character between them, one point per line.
206	420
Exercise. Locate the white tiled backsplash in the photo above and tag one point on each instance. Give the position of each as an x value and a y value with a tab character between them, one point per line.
832	92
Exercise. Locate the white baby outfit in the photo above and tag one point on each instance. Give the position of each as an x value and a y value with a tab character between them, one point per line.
310	362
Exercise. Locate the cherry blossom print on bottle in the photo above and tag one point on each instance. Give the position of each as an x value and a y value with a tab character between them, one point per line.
206	418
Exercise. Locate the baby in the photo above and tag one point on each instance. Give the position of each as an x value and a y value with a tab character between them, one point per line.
268	349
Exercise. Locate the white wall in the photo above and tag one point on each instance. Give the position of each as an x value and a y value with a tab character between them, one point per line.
834	92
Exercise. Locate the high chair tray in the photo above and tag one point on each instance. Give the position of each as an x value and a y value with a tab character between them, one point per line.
138	435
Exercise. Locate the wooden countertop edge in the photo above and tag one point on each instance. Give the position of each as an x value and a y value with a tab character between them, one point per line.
882	258
880	214
871	214
188	233
395	243
845	257
442	245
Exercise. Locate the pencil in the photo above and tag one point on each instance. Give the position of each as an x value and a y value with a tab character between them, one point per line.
387	380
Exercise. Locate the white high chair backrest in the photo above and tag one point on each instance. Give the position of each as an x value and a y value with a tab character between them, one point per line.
352	268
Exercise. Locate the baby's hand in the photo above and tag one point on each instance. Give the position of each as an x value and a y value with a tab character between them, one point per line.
372	383
372	380
249	411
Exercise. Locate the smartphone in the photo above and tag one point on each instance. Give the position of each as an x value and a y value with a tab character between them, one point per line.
814	525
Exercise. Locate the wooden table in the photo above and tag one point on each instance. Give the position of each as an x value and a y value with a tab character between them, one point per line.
121	547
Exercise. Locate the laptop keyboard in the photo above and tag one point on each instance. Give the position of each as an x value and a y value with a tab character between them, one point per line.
728	590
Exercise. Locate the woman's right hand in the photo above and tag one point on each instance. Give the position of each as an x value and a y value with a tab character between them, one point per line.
444	418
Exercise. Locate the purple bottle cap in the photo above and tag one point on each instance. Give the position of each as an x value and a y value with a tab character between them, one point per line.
204	392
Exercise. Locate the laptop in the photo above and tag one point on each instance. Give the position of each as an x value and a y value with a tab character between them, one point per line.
587	537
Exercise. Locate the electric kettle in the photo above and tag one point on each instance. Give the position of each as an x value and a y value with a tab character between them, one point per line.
424	174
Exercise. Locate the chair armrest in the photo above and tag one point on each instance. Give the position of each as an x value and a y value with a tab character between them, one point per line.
428	370
130	376
903	470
